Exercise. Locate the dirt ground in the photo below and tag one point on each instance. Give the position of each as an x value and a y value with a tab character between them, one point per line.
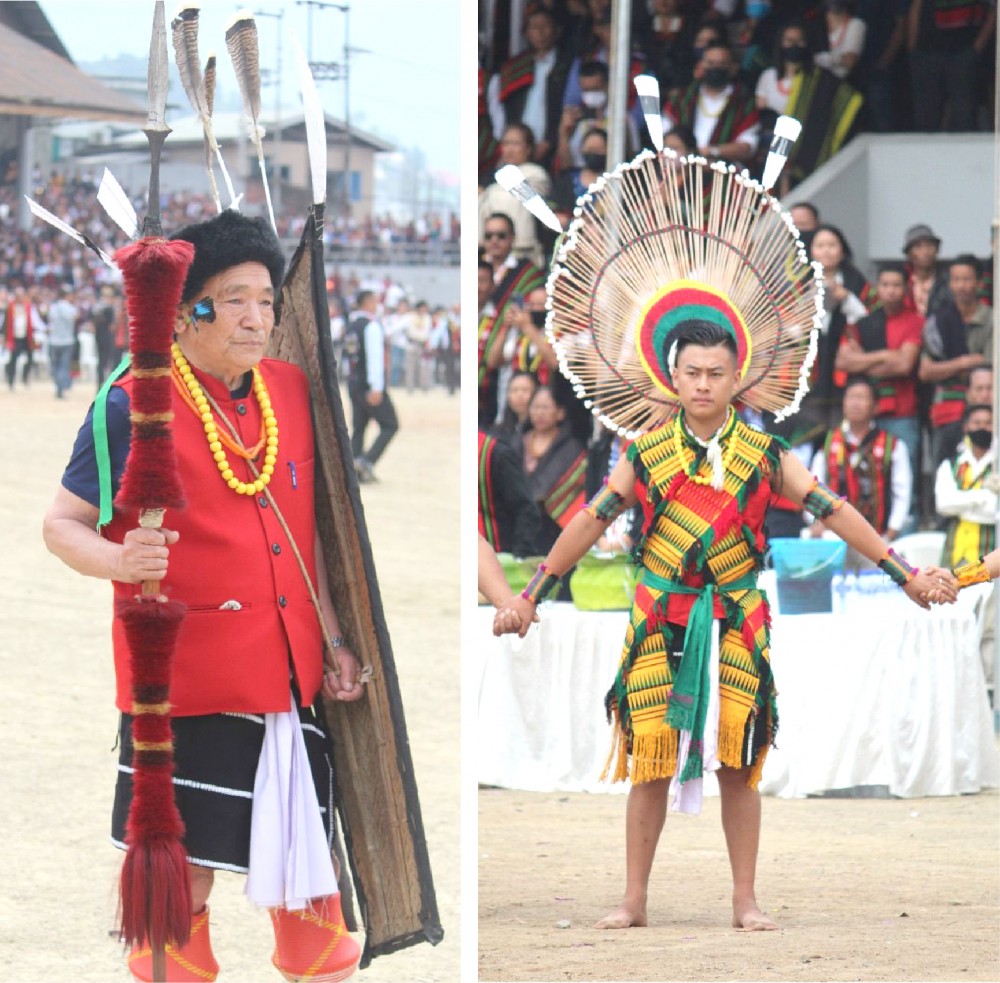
58	723
863	890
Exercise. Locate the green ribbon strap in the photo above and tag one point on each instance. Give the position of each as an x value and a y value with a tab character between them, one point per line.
101	450
687	708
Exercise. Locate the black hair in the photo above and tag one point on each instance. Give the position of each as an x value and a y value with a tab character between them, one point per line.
721	43
897	268
862	380
599	131
363	296
594	67
833	230
807	205
524	130
483	265
705	334
975	408
501	217
780	66
967	259
686	136
980	368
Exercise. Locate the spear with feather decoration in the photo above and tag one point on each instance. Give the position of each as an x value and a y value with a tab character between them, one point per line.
244	50
200	89
373	768
155	887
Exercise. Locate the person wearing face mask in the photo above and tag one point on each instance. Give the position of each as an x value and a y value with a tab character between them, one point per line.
720	111
965	490
574	181
524	347
846	38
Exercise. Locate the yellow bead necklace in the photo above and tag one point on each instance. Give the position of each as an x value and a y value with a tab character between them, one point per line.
201	406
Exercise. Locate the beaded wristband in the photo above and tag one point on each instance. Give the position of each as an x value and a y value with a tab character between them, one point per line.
606	505
540	586
972	573
898	570
337	641
821	501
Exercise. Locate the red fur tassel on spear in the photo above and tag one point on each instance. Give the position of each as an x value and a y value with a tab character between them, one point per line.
155	886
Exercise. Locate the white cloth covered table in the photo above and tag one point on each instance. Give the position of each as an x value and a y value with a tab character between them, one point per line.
890	696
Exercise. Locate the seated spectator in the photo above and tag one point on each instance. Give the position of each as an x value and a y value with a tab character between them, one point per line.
512	278
846	38
521	345
574	181
514	419
590	113
885	346
957	337
805	215
980	391
529	88
717	108
848	298
965	490
945	41
866	464
556	465
508	516
669	42
755	35
516	146
925	288
825	105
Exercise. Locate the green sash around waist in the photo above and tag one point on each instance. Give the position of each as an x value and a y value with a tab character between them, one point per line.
687	707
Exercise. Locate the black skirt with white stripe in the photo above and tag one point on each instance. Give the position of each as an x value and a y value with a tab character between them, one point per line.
215	764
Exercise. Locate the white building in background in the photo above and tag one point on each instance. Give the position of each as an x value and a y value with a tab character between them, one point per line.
76	148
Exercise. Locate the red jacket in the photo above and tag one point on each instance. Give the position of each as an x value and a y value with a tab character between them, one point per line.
9	326
232	548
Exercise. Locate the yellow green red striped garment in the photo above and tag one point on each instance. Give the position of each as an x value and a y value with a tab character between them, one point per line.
695	535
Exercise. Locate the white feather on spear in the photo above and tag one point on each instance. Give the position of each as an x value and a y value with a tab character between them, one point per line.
200	90
244	50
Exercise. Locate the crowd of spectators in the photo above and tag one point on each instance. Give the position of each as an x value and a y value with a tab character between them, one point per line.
899	414
60	306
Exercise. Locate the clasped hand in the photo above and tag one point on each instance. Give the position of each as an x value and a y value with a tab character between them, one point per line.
515	615
932	585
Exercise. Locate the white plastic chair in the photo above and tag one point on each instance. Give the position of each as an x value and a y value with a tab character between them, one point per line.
88	356
921	548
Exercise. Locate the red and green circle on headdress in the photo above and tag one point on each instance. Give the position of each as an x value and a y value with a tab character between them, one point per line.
672	307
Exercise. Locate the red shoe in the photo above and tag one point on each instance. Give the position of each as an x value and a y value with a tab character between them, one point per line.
314	945
193	963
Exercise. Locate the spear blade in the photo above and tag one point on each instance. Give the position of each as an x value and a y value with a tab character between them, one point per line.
157	82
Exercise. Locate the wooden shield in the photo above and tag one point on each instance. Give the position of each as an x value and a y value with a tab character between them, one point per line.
375	786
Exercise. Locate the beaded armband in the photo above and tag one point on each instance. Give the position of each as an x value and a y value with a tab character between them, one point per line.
897	569
972	573
540	586
821	502
606	505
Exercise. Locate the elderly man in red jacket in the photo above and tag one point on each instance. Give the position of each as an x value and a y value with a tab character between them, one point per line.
249	663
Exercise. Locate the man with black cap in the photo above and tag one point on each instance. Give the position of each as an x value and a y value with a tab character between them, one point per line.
244	557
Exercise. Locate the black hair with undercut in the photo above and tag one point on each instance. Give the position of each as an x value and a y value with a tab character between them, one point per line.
501	217
976	408
704	334
967	259
898	268
862	380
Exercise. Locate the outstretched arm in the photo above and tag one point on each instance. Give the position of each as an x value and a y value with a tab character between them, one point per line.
583	530
843	519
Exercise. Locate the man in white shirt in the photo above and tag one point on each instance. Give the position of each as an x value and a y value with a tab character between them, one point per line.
63	316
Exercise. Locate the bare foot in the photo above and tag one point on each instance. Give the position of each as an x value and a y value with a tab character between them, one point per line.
748	917
624	916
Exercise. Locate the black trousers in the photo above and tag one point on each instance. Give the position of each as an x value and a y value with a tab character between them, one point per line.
384	415
21	347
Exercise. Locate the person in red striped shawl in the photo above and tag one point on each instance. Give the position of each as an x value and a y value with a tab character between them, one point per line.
865	464
21	322
721	111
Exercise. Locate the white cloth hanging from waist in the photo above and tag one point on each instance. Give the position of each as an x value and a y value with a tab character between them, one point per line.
688	795
290	861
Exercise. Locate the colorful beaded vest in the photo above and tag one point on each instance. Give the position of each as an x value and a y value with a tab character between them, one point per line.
694	535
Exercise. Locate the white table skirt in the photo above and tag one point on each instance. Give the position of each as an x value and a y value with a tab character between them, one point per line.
893	697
